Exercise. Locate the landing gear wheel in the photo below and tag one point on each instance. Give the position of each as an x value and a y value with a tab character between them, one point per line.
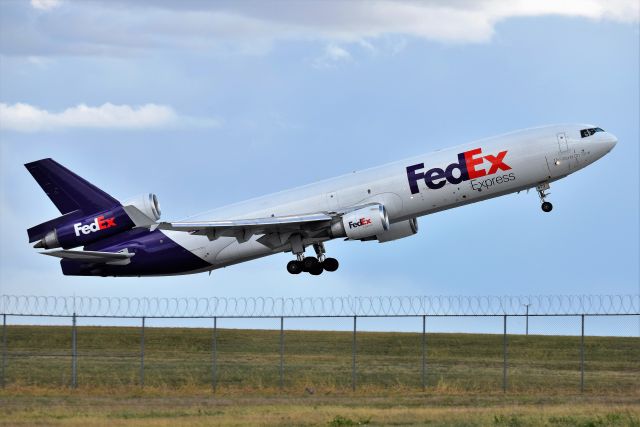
316	270
546	206
330	264
294	267
309	263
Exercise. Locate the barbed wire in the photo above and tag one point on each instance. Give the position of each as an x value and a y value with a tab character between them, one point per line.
441	305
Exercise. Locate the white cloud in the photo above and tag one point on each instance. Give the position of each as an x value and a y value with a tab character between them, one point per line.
332	55
22	117
39	61
99	28
45	4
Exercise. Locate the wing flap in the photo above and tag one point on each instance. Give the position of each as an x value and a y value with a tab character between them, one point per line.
247	227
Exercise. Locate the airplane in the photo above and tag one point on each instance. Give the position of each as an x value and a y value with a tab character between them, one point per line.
378	204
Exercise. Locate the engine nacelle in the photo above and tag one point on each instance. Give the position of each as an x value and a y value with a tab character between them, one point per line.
362	223
399	230
147	204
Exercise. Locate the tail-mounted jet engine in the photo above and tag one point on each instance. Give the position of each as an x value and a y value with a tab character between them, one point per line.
148	204
362	223
82	230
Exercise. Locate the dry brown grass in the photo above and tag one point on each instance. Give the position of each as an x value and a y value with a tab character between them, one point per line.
392	409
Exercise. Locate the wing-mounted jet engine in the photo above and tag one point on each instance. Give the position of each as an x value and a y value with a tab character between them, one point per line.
372	223
361	224
398	230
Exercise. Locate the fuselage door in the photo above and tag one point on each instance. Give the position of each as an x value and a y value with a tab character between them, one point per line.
560	163
562	142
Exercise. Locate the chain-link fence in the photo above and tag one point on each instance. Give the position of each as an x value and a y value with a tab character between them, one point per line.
449	344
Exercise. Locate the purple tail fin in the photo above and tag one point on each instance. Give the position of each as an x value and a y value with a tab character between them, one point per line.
68	191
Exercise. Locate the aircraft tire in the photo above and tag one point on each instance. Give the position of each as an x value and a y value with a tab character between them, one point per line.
294	267
309	263
330	264
316	270
546	207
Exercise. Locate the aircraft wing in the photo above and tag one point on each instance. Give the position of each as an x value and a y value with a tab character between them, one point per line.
92	256
243	229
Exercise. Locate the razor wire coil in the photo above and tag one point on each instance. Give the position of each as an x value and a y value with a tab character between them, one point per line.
438	305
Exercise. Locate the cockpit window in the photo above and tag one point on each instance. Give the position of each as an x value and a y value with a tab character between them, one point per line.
588	132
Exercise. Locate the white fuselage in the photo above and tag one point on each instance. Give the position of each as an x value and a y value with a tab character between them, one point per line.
533	156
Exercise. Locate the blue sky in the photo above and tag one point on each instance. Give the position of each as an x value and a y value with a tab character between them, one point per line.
207	104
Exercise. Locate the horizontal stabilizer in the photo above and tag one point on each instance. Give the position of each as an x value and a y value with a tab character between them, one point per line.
92	256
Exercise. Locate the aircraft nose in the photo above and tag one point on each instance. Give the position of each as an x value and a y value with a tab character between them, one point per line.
610	141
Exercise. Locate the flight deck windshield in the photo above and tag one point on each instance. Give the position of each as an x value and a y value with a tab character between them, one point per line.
588	132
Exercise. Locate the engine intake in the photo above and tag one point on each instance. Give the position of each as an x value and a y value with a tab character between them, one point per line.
148	204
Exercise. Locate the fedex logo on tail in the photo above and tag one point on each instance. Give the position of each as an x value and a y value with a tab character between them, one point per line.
99	223
469	167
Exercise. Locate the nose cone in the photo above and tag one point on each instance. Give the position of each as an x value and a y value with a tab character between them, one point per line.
610	141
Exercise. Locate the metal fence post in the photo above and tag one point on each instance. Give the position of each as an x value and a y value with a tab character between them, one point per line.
582	354
424	353
504	351
74	353
353	356
214	355
142	353
281	353
527	320
4	347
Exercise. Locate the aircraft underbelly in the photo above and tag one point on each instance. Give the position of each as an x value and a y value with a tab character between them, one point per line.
235	251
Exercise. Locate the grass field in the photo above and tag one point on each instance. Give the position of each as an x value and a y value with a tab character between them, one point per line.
464	379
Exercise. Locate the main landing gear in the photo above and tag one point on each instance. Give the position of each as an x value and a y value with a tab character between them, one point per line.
313	265
546	206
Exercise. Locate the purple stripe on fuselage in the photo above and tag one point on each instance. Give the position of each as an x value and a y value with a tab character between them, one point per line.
155	254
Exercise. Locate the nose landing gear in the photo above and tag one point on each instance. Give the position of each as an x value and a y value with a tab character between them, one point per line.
312	265
546	206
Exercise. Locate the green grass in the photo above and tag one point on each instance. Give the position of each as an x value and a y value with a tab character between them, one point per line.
319	361
464	379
